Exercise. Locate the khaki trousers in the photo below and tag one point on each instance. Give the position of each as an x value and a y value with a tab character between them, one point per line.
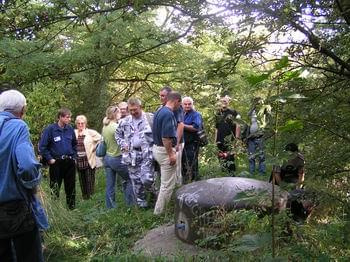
167	178
179	164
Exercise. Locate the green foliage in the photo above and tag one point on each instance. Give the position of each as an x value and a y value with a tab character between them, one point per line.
44	100
255	79
249	243
89	54
91	231
291	126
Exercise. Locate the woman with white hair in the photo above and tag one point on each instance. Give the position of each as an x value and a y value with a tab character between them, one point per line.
86	162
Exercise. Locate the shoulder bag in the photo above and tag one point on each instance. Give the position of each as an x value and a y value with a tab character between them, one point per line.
101	148
202	136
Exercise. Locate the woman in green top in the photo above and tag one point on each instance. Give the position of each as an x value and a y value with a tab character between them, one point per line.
112	161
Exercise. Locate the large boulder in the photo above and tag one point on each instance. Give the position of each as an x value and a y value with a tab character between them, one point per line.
194	201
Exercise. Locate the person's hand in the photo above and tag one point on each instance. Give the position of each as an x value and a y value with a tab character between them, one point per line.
35	190
125	148
172	159
52	161
177	147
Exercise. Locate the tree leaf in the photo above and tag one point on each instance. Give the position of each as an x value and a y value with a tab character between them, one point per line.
250	242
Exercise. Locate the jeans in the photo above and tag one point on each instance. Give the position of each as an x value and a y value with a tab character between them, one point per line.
25	247
113	166
256	149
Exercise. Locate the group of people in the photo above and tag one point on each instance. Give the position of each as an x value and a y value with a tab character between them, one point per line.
228	130
139	145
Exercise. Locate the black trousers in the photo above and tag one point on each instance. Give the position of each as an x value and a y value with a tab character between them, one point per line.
63	170
228	163
25	248
190	163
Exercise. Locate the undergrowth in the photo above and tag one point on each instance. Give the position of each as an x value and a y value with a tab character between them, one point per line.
93	233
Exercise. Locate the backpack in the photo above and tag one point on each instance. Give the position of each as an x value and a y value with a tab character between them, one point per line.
202	136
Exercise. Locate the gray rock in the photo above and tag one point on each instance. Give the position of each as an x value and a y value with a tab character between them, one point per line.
193	201
161	241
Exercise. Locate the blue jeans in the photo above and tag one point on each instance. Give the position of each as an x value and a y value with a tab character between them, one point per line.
256	150
113	166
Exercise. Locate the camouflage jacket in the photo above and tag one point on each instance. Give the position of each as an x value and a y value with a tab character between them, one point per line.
125	132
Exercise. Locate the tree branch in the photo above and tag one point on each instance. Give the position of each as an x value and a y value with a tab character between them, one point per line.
347	138
315	42
137	79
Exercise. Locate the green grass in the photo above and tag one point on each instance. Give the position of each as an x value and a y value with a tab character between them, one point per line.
91	231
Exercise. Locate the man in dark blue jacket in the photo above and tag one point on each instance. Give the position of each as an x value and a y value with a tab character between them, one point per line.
192	124
58	146
21	215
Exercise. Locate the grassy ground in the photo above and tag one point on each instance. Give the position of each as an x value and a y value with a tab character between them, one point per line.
93	233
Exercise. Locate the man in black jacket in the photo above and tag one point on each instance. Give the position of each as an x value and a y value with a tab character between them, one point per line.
58	145
226	131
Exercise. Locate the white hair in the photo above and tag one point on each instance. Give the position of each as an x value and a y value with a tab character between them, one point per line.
187	98
12	101
81	118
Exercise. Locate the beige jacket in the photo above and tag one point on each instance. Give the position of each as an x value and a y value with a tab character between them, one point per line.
92	137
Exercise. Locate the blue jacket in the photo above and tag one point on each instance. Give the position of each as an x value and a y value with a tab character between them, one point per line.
56	142
194	119
19	169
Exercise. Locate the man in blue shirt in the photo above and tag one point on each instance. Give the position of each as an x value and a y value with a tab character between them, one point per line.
179	115
192	124
164	149
19	178
58	146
